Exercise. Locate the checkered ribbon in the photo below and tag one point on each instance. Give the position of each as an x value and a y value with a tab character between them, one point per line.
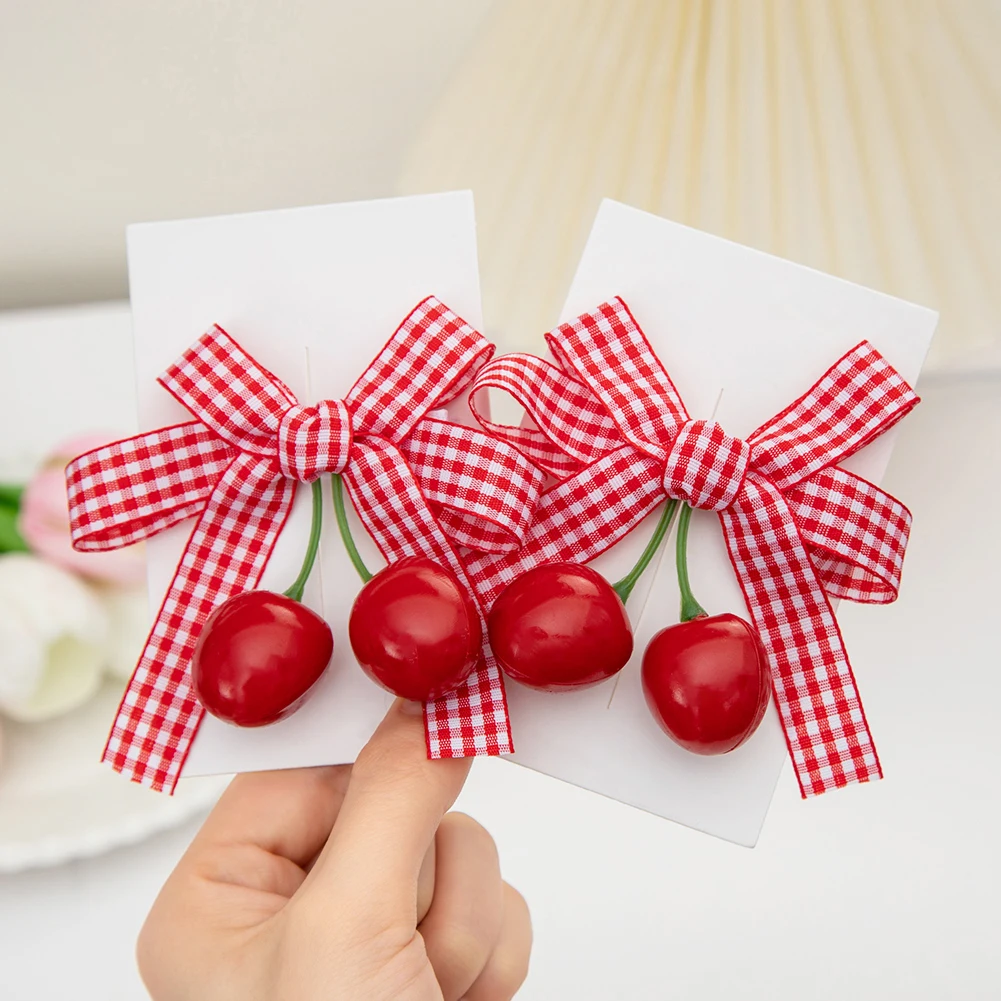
420	485
610	425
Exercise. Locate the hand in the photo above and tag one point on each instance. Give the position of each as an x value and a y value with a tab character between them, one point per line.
348	883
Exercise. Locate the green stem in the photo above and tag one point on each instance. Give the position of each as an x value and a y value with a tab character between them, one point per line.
624	587
337	487
299	584
690	608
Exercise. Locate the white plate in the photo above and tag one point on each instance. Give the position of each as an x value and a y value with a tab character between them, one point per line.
58	802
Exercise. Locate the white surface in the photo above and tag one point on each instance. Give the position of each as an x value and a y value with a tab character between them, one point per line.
877	893
313	294
86	355
762	330
58	802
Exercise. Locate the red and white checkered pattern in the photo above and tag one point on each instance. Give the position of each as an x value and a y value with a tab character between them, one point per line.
132	489
466	477
819	705
314	440
797	527
473	719
572	427
706	466
607	351
237	466
855	533
577	519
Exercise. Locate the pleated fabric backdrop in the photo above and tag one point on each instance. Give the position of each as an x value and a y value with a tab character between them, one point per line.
861	137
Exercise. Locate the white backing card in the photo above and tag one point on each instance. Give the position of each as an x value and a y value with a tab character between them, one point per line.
722	318
313	294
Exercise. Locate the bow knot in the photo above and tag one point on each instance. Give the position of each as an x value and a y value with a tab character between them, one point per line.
706	466
315	440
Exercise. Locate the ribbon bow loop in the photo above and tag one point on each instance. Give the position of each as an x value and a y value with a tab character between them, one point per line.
609	353
860	397
227	390
251	408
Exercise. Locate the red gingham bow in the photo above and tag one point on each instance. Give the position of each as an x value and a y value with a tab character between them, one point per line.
412	479
611	426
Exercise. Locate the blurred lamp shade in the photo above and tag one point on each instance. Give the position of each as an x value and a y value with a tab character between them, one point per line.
863	139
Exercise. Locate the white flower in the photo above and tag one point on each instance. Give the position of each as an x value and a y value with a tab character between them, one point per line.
53	632
128	622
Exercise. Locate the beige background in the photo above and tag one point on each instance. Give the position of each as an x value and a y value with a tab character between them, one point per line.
119	111
860	137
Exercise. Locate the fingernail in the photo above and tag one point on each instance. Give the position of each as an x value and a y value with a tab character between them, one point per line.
409	708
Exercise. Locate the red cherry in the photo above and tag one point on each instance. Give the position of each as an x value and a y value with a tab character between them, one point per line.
560	626
415	630
258	655
707	683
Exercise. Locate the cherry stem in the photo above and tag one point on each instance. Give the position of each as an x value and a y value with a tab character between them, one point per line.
337	488
624	587
690	608
299	584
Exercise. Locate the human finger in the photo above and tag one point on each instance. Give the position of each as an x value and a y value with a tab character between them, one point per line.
464	921
288	813
507	967
387	822
425	883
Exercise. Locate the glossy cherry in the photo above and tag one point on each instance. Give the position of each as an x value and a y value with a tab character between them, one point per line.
257	656
415	630
706	682
560	626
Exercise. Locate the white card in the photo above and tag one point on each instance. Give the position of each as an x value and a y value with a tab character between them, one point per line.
314	293
720	317
329	284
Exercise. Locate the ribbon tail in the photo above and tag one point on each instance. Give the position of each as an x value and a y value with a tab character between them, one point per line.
226	553
473	720
815	691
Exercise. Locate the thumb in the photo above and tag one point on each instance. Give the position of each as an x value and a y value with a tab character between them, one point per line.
395	801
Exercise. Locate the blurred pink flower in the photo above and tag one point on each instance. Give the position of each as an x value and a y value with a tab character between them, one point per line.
44	522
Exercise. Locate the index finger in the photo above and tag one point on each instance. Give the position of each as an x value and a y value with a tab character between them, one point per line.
387	822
